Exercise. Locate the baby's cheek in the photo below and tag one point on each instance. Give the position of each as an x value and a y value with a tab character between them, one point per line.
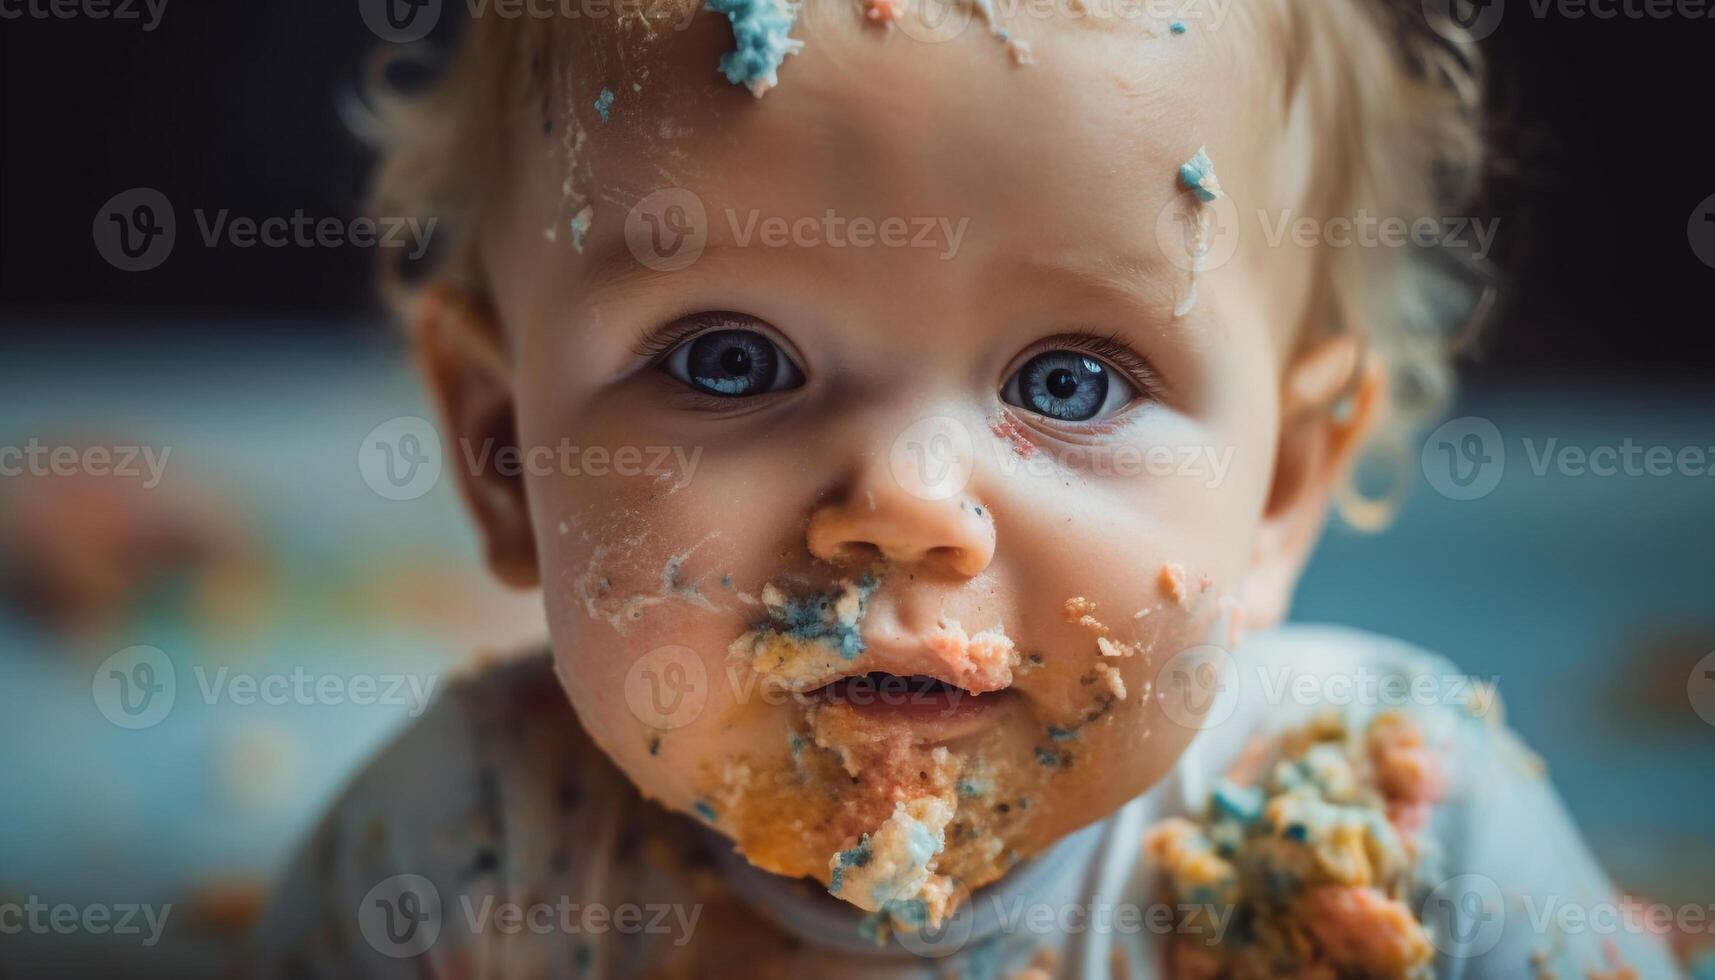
641	605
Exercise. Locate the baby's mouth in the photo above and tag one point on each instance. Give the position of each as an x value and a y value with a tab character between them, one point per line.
929	706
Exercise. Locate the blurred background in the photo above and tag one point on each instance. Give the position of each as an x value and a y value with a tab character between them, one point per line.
251	540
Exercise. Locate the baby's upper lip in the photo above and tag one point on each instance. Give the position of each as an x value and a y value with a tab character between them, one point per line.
949	654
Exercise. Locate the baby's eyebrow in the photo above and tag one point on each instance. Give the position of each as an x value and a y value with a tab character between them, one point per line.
1118	278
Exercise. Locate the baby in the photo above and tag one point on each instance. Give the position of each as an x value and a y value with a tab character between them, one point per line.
1004	424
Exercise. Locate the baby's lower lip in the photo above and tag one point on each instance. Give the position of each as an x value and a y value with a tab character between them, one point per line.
927	706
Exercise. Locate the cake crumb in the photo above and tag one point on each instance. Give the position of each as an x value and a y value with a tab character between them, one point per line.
1172	582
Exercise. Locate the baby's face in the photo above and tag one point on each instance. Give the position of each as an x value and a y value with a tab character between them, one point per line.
1021	482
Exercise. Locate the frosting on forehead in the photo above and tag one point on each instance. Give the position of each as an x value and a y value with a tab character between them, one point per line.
761	32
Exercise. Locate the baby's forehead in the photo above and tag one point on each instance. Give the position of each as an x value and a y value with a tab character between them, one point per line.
1106	88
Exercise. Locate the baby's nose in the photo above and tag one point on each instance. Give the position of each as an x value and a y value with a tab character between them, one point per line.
877	518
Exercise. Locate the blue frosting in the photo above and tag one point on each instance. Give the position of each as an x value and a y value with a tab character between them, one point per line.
704	810
1241	803
1198	173
1178	27
855	857
604	103
761	32
812	618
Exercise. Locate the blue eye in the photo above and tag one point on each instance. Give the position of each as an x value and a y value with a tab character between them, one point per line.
1068	385
732	364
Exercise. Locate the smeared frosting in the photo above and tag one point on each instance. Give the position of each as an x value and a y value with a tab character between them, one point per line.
761	32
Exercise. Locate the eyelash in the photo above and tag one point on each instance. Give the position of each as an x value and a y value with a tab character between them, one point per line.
1107	347
655	345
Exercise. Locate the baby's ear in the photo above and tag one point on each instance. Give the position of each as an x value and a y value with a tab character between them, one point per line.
463	354
1331	398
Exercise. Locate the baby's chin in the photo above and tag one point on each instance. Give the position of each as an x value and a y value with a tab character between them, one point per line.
899	809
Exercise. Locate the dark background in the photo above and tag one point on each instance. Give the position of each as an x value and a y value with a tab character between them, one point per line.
1603	138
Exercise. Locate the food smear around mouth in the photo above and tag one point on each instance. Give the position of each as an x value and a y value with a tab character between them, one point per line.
807	641
761	32
829	806
891	870
979	663
1318	860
